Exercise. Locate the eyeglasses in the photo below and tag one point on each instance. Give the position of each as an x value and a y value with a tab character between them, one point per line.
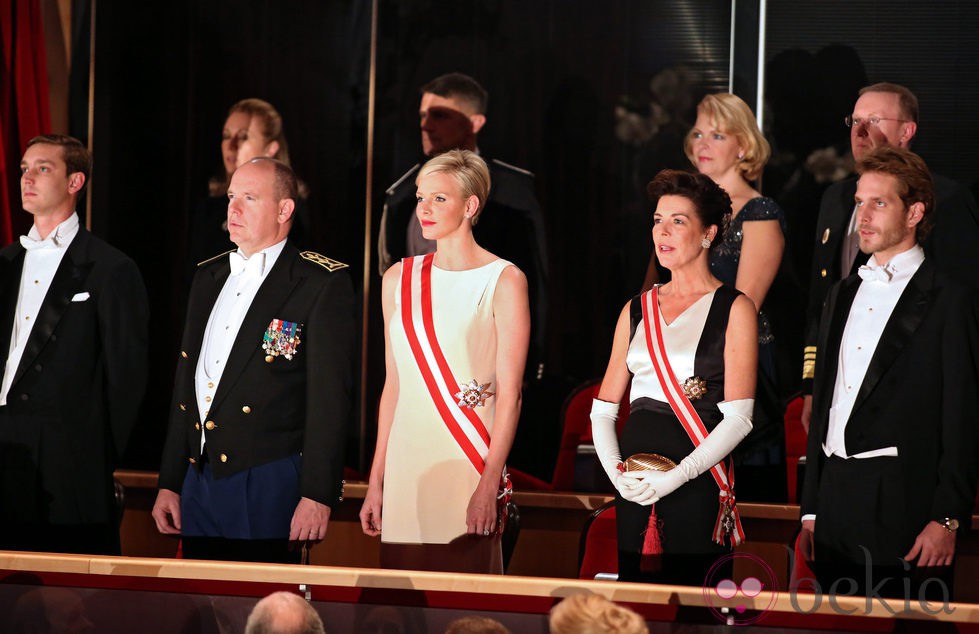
874	121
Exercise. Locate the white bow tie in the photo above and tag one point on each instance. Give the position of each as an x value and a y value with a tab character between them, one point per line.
877	273
29	243
254	265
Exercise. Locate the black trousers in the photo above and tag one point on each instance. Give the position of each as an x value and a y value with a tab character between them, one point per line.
864	527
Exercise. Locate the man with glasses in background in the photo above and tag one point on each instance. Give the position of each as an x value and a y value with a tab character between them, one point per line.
884	114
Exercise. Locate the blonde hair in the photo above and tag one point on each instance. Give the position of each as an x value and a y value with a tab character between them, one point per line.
594	614
733	116
468	170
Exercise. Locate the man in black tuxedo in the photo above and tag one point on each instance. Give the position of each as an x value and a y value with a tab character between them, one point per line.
451	114
253	460
884	114
74	364
891	473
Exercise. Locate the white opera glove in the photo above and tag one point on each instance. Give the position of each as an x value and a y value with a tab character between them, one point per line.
719	443
603	415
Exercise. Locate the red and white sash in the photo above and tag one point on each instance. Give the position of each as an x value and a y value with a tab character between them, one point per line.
689	419
416	314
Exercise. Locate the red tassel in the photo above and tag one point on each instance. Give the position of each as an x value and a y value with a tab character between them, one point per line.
652	544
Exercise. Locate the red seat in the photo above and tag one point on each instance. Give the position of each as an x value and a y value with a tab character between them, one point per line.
576	426
598	550
795	445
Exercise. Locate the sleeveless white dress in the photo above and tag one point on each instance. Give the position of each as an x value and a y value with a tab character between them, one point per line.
428	480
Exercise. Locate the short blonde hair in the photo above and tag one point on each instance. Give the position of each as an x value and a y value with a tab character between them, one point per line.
733	116
468	170
594	614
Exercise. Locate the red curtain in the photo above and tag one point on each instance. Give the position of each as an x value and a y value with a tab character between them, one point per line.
24	105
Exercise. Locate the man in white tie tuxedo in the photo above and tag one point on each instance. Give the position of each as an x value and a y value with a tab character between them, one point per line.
891	461
885	114
75	316
253	461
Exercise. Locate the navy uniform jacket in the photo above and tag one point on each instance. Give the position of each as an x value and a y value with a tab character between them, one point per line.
510	226
264	411
919	395
78	388
952	246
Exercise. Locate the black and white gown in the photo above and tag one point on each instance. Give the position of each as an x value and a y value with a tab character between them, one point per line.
694	344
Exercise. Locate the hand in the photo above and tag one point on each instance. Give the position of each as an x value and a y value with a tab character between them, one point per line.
934	546
806	416
807	542
481	513
632	490
658	484
166	512
309	521
370	512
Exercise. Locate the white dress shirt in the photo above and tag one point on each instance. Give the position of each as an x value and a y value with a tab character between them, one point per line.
41	262
233	302
872	307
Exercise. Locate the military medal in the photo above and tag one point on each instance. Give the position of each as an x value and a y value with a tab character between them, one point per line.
473	394
281	339
727	517
694	388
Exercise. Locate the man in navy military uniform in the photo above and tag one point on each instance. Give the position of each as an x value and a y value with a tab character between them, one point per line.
452	112
74	364
254	454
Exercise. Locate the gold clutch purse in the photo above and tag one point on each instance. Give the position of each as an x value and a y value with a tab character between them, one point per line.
648	462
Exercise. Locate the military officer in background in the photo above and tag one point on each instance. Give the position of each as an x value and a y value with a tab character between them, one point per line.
451	114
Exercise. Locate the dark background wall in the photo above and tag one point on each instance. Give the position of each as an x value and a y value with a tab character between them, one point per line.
576	87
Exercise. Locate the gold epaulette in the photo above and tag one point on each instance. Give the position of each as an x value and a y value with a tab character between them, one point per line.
329	264
218	256
809	362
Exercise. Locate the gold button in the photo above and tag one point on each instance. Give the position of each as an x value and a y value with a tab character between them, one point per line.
826	235
210	384
246	409
183	408
209	425
207	399
192	461
197	426
183	354
224	457
822	273
269	358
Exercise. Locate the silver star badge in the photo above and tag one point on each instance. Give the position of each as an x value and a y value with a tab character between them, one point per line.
473	394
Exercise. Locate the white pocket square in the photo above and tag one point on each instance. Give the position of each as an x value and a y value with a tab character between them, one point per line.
79	297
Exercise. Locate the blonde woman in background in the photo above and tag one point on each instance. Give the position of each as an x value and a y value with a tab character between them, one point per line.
726	145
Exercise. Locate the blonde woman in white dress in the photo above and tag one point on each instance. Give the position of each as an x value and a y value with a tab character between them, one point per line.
457	326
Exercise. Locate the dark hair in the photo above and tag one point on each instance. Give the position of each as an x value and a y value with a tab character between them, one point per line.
76	156
286	184
907	101
711	202
914	182
461	87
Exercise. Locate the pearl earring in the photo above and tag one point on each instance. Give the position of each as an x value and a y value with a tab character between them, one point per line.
705	243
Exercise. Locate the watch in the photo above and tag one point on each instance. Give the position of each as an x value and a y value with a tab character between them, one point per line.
950	524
